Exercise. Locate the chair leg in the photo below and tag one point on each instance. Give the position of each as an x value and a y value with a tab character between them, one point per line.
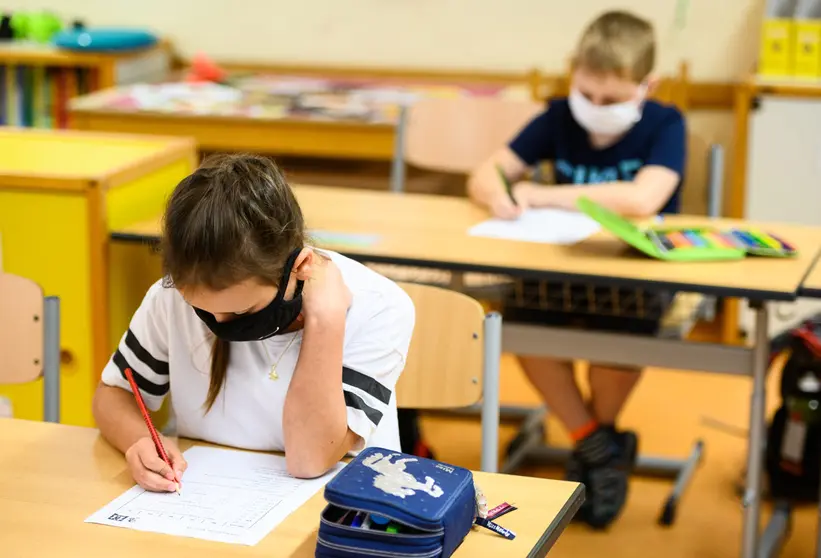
775	534
51	359
531	435
397	178
685	475
490	392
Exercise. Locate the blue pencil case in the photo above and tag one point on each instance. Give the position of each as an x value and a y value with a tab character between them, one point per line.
393	505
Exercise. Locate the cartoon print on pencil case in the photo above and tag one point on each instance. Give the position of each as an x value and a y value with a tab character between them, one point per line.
393	479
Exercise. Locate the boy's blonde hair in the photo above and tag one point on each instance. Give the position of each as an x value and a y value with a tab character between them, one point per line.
619	43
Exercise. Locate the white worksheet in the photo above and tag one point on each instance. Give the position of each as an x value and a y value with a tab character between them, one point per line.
551	226
227	496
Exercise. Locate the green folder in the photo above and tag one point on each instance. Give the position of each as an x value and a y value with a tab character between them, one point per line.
641	238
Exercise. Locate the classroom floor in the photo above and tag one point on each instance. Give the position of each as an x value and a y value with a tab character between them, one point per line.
669	409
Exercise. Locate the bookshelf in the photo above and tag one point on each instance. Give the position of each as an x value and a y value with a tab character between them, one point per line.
37	81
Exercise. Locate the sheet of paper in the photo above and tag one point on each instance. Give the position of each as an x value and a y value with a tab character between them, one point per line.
227	496
551	226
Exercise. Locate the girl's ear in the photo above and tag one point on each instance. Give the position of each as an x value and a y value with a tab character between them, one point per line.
303	265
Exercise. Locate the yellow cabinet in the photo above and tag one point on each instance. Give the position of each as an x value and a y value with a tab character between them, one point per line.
61	192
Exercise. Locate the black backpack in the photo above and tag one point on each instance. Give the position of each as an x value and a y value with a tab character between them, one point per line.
793	454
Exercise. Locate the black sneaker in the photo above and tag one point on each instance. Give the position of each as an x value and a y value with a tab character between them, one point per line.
607	481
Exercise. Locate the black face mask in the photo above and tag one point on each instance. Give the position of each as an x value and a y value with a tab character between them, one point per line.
272	320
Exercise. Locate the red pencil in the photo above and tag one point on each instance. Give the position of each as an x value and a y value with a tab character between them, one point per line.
151	429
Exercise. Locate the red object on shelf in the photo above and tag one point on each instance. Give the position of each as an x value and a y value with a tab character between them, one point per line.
204	69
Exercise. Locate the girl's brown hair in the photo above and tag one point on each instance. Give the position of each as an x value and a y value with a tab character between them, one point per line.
235	218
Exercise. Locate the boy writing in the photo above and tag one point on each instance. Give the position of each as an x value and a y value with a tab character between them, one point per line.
607	142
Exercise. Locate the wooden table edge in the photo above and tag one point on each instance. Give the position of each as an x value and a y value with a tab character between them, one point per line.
206	119
607	280
559	524
813	291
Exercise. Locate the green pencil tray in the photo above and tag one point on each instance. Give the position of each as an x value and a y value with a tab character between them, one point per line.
636	237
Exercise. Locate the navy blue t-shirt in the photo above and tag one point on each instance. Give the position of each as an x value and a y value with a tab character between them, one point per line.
659	138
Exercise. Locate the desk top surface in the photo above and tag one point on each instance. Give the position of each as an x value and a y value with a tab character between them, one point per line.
432	231
73	155
52	477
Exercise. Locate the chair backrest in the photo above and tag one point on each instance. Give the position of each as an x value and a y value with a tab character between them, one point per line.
456	135
445	361
672	90
21	329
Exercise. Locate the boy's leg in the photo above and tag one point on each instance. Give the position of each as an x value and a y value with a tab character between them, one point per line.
596	448
555	382
610	388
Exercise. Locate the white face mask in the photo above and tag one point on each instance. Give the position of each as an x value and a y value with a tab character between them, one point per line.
610	120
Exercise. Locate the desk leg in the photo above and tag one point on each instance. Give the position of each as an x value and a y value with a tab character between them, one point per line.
755	450
490	392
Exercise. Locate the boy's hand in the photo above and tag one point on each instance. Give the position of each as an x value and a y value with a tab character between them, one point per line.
149	470
504	208
523	194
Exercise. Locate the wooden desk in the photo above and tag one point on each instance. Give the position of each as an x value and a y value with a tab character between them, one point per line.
268	125
431	231
60	194
52	477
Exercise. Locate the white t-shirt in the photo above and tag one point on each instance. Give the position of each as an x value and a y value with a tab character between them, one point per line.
168	349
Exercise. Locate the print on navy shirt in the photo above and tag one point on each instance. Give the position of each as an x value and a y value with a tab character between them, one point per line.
659	138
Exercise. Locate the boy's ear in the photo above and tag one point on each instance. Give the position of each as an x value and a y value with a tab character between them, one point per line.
652	81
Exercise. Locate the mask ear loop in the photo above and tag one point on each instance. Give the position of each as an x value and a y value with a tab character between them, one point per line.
643	88
286	274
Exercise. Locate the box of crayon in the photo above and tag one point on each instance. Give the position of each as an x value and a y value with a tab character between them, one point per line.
752	242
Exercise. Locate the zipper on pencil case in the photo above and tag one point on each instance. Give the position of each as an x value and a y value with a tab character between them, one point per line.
426	534
359	551
439	531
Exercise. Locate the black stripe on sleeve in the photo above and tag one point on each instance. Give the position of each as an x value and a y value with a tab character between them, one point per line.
355	402
367	384
158	366
145	385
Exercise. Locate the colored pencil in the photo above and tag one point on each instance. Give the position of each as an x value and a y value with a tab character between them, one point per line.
765	239
147	418
678	239
695	238
717	240
506	182
746	239
784	245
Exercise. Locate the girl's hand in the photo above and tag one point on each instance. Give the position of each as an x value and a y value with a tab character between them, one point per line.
149	470
325	293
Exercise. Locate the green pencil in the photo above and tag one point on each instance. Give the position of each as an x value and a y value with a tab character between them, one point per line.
508	185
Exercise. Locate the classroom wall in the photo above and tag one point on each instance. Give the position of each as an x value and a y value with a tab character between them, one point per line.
717	37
